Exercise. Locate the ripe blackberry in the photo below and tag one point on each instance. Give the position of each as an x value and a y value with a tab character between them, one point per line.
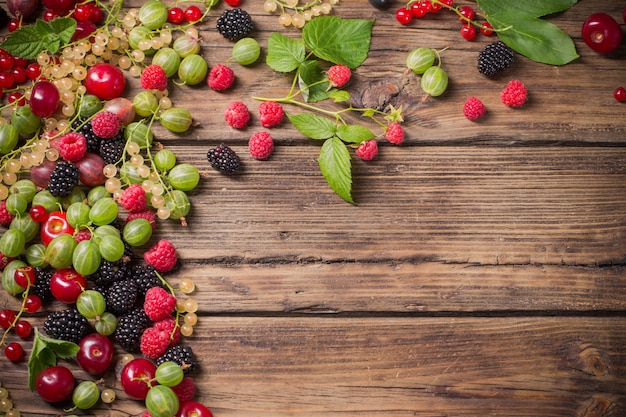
121	297
67	325
144	277
224	159
494	58
63	178
93	141
41	288
129	329
109	272
235	24
112	150
182	355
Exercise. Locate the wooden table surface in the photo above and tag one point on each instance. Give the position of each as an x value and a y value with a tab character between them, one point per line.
481	272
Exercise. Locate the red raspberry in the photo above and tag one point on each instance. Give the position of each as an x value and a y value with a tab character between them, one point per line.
72	146
5	217
473	108
233	3
5	260
153	77
162	256
271	113
158	303
395	133
153	343
221	77
133	198
145	214
515	94
367	150
82	234
170	328
106	124
261	145
237	115
339	75
185	390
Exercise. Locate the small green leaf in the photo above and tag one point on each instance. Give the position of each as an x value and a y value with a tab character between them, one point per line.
313	126
354	133
336	166
535	8
309	79
44	354
284	54
339	96
64	27
534	38
337	40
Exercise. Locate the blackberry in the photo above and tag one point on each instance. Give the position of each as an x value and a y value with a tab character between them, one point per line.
109	272
235	24
121	297
182	355
67	325
224	159
144	277
93	141
63	179
41	288
112	150
494	58
129	329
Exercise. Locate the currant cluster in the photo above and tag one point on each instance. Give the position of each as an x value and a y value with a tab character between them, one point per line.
293	13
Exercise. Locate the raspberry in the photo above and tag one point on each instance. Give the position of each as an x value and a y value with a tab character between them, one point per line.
261	145
367	150
82	234
395	133
133	198
237	115
71	146
515	94
158	303
221	77
145	214
339	75
5	216
153	342
153	77
106	124
185	390
271	113
161	256
473	108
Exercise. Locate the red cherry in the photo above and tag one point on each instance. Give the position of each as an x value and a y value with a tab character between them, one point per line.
67	284
55	384
404	16
175	15
95	353
468	32
602	33
84	28
25	276
96	14
44	98
193	409
233	3
620	94
193	13
33	303
14	352
55	225
105	81
137	378
23	329
58	5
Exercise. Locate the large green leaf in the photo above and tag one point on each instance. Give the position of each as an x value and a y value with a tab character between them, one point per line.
313	126
535	8
336	166
337	40
354	133
29	40
284	54
534	38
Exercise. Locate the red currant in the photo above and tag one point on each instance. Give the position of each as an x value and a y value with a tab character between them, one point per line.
620	94
33	71
82	12
17	98
19	74
486	29
6	80
447	2
404	16
435	7
426	5
49	15
15	24
58	5
7	317
23	329
6	62
96	13
25	276
14	352
602	33
20	62
32	304
38	213
175	15
467	13
468	32
193	14
417	11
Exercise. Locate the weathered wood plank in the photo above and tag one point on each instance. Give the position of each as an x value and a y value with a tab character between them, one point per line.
548	366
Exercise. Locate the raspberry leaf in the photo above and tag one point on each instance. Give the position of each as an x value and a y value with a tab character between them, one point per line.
29	40
44	354
309	77
336	166
354	133
313	126
284	54
535	8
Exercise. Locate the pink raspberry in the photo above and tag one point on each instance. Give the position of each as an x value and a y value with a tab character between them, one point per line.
221	77
158	303
185	390
106	124
153	343
339	75
5	216
367	150
473	108
72	146
170	328
237	115
515	94
261	145
153	77
82	234
271	113
161	256
145	214
395	133
133	198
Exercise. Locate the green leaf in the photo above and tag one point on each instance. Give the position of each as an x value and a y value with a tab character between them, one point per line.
535	8
337	40
335	164
24	42
44	354
313	126
284	54
534	38
64	27
339	96
309	77
29	40
354	133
